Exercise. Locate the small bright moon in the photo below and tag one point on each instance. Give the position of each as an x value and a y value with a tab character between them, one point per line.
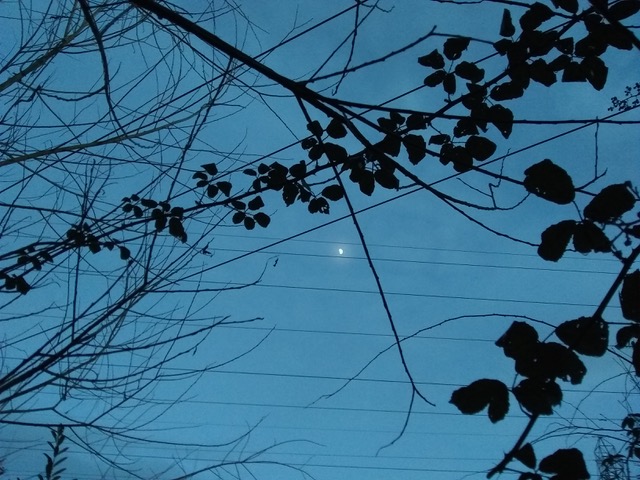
340	251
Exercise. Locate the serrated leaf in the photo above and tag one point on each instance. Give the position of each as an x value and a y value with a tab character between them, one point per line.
262	219
501	118
481	394
630	296
210	168
333	192
586	335
415	146
537	14
588	237
526	456
549	181
433	60
520	336
538	396
555	239
469	71
595	71
480	148
454	47
565	463
435	78
611	203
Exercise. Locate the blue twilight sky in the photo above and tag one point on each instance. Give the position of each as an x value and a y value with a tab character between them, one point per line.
318	320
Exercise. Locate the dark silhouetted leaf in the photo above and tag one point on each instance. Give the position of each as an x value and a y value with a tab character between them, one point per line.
212	191
573	72
386	179
549	181
626	334
416	121
125	253
526	455
366	182
566	464
617	36
624	9
415	146
519	337
225	187
238	204
480	394
255	203
542	72
506	25
333	192
555	239
586	335
449	83
503	46
148	203
469	71
537	14
306	143
530	476
480	148
249	223
439	139
315	128
176	229
202	183
250	172
630	296
588	237
559	63
501	118
548	361
21	285
238	217
465	126
595	71
200	176
507	91
336	129
315	152
335	153
454	47
610	204
565	45
299	170
592	45
433	60
318	205
538	396
390	144
262	219
459	156
435	78
570	6
210	168
289	193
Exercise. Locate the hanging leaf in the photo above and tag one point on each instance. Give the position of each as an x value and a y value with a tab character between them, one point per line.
385	178
610	204
238	217
549	181
526	455
548	361
299	170
480	148
415	146
519	337
595	72
449	83
416	121
318	205
501	118
626	334
315	128
624	9
630	296
555	239
469	71
210	168
465	126
454	47
565	464
435	78
225	187
433	60
176	229
335	153
125	253
538	396
573	72
333	192
506	26
586	335
541	72
336	129
255	203
588	237
148	203
290	191
212	191
249	223
537	14
366	182
262	219
482	393
439	139
390	144
570	6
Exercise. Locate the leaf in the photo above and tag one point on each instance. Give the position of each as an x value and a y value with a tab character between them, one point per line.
415	146
459	156
538	396
390	144
449	83
225	187
566	464
289	193
433	60
624	9
255	203
333	192
299	170
212	191
549	181
210	168
249	223
318	205
480	148
565	45
262	219
21	285
125	253
547	361
386	179
176	229
503	46
454	47
588	237
315	128
480	394
537	14
595	72
555	239
542	72
506	25
439	139
519	337
148	203
526	455
610	204
336	129
570	6
416	121
238	217
501	118
465	126
507	91
366	182
530	476
469	71
435	79
573	73
586	335
626	334
335	153
630	296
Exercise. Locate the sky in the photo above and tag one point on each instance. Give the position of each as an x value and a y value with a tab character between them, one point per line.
309	383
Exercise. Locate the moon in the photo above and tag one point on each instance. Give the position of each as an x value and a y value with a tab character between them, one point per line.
340	251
